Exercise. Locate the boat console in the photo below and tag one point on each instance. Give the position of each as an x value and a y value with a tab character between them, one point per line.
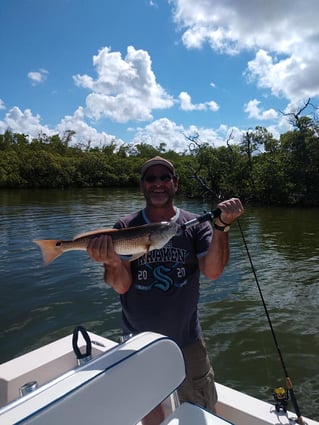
119	385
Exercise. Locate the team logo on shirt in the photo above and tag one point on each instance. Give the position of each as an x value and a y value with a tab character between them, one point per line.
162	276
164	255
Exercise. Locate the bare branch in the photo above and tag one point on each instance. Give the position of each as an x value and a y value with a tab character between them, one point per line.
294	117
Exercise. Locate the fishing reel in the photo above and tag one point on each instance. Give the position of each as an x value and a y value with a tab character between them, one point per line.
281	397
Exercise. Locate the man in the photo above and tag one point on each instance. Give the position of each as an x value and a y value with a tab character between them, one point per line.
159	291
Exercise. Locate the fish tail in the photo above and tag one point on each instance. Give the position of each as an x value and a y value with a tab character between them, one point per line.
50	249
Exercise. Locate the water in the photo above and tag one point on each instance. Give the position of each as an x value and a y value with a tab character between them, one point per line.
40	304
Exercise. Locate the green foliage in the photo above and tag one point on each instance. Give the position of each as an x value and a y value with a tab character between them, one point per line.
261	169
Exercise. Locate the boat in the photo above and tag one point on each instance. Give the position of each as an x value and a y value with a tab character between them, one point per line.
85	378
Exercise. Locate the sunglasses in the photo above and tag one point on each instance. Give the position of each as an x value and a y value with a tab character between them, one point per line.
165	178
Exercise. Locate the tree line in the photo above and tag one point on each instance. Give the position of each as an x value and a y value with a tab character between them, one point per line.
261	169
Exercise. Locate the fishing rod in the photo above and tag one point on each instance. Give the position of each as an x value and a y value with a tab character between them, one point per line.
208	216
278	396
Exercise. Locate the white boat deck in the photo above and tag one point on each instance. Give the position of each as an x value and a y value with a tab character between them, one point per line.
119	386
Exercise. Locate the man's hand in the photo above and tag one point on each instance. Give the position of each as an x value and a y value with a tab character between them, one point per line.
101	249
117	273
230	211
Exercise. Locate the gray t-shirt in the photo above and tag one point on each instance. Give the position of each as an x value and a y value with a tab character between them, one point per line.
165	290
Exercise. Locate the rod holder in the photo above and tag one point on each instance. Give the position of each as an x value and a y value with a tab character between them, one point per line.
28	388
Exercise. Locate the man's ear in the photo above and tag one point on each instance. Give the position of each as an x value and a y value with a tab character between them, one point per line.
175	180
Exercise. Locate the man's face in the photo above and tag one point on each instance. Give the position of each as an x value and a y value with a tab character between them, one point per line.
158	186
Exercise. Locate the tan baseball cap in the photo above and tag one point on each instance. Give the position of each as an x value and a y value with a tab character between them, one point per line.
157	160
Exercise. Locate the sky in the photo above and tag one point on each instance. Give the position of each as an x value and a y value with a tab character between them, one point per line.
156	71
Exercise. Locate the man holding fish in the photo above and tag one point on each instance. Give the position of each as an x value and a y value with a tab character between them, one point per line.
159	289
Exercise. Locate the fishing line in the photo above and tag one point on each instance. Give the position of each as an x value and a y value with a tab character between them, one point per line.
210	216
299	419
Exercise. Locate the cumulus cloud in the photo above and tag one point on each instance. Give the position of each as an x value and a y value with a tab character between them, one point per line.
186	104
175	135
292	78
84	133
2	105
159	131
24	122
125	88
282	33
254	111
37	77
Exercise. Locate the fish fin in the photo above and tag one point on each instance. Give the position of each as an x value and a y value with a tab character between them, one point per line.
140	254
49	249
135	256
95	232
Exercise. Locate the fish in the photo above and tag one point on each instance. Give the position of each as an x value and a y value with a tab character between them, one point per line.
129	242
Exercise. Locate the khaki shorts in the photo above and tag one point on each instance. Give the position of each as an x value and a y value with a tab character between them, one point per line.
199	385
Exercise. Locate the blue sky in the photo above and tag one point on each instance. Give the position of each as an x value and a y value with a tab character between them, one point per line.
155	70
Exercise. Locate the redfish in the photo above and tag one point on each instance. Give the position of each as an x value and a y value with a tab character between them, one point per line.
131	242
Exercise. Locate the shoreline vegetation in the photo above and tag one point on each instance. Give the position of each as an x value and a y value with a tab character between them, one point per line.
259	170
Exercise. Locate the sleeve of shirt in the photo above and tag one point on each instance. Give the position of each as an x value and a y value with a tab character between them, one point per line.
133	219
119	225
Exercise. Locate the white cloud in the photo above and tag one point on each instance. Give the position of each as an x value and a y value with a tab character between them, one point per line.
254	111
159	131
83	132
162	131
292	78
2	105
284	34
24	122
37	77
212	105
153	3
125	88
186	104
174	135
233	26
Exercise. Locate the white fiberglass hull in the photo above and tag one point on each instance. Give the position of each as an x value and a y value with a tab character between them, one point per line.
143	372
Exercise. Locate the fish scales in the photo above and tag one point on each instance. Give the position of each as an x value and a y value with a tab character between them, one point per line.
131	241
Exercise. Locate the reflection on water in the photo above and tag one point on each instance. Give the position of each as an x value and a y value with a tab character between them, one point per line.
39	304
